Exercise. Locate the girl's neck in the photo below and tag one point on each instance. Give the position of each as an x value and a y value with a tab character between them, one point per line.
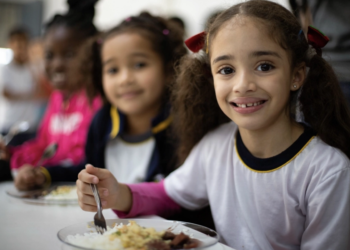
273	140
140	123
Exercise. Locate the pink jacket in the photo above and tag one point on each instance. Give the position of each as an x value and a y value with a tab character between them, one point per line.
64	124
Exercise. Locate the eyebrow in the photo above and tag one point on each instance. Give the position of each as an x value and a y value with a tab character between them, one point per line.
223	58
137	54
265	53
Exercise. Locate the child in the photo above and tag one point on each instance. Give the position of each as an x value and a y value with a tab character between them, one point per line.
272	183
133	66
20	101
69	111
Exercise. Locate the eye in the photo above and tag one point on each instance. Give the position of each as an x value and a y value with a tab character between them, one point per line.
112	70
140	65
69	54
48	55
226	71
265	67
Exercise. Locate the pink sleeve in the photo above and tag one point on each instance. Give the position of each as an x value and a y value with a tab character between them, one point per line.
30	151
150	198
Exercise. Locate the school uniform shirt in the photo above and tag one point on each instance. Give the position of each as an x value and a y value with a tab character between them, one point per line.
64	123
299	199
107	147
127	157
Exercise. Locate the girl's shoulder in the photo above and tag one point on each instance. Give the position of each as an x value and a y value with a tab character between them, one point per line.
223	134
323	158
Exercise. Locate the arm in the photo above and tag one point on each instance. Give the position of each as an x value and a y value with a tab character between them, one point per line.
328	218
149	198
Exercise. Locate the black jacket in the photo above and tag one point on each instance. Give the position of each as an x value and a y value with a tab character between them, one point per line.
109	123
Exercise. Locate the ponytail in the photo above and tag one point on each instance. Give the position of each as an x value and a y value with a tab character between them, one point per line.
324	106
195	107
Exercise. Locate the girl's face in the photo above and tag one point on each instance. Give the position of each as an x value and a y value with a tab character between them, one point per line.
133	74
252	74
62	64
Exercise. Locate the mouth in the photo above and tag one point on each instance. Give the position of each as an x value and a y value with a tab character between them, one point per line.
58	78
130	94
248	105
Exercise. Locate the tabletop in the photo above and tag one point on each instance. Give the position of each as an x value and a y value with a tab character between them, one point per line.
26	225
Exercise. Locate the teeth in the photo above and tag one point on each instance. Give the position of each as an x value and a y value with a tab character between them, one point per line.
249	104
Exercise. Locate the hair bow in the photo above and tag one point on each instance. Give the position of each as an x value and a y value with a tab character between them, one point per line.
196	42
316	39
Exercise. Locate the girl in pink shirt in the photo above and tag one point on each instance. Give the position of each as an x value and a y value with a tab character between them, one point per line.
71	108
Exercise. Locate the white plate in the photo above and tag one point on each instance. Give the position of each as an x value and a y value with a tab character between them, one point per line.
206	236
38	196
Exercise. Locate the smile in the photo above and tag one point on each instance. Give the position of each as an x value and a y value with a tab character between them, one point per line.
246	108
247	105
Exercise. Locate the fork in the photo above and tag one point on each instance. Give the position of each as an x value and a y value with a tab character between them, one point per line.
99	220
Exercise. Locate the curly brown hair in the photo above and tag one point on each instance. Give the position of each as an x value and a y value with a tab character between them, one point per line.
321	101
166	39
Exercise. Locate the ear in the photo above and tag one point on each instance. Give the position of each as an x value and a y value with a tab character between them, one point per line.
298	77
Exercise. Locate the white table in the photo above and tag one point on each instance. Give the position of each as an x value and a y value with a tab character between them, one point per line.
35	226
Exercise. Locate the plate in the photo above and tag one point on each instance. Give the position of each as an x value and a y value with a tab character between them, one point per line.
206	236
48	195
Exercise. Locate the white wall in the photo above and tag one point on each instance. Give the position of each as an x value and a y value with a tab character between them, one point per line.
110	12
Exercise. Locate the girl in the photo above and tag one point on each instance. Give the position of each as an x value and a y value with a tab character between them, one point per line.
272	183
133	66
69	111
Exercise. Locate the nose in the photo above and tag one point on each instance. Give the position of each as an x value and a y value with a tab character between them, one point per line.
244	82
57	63
126	77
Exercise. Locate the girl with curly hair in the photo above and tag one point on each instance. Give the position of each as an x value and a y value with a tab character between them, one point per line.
71	106
272	182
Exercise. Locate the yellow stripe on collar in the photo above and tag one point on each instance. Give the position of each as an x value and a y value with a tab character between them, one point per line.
163	125
269	171
115	122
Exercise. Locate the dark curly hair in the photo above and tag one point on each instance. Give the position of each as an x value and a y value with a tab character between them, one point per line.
321	101
166	39
79	18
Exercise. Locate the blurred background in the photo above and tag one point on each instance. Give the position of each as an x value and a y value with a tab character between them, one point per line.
34	13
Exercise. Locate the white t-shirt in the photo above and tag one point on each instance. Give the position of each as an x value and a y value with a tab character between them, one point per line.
303	203
17	79
129	161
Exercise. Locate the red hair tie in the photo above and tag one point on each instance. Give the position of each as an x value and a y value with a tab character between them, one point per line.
196	42
316	39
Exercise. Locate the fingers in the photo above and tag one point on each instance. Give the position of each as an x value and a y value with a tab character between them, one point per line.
86	199
26	178
86	177
100	173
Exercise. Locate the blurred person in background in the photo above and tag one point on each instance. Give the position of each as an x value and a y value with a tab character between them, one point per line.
18	89
37	66
71	106
333	18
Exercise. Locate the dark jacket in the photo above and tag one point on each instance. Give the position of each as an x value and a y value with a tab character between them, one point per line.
109	123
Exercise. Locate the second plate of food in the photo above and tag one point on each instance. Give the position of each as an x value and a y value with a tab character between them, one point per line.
64	193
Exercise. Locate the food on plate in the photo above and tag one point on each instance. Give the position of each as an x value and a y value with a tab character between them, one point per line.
61	193
134	237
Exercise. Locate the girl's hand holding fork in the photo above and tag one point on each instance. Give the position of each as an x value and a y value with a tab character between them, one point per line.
113	194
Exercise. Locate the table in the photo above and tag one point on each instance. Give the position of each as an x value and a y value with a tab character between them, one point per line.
35	226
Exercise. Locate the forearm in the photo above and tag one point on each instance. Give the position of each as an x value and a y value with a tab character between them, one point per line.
148	199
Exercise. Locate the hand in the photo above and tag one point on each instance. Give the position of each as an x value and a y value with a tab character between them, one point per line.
112	193
4	152
29	177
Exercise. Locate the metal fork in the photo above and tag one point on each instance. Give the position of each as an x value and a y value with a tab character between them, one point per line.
99	220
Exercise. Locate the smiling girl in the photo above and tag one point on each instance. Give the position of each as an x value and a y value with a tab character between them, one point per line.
70	109
272	183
